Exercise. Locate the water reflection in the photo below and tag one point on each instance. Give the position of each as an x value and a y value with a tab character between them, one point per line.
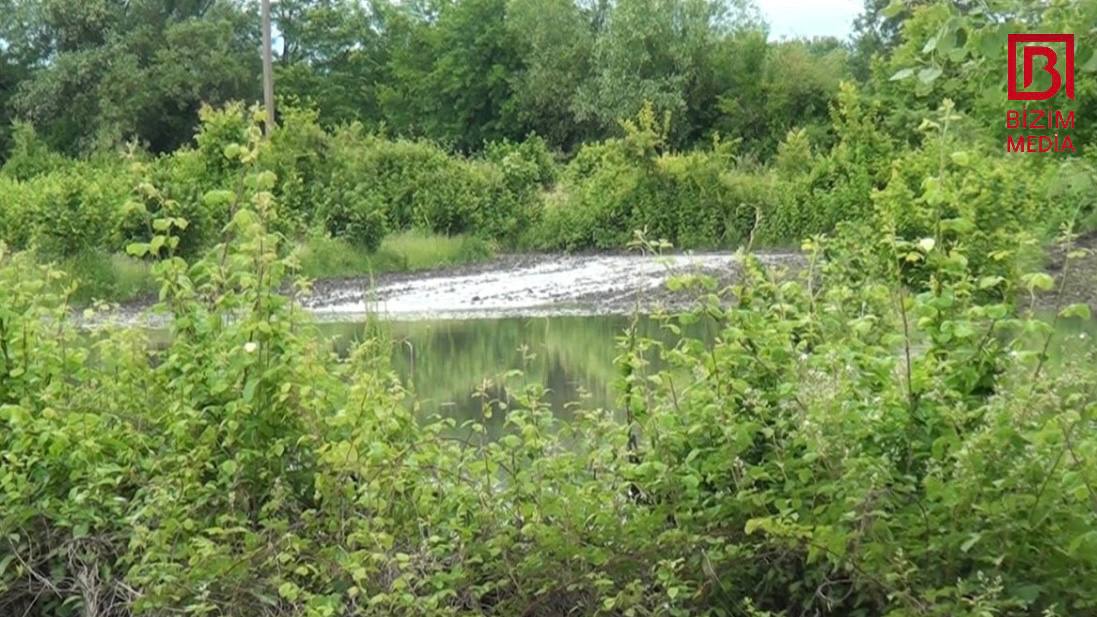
445	363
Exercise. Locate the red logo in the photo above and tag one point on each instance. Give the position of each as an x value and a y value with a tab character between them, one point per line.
1051	57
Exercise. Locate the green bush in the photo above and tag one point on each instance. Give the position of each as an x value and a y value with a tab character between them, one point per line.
108	277
175	186
14	204
30	156
179	184
222	132
417	185
354	211
694	200
299	155
526	164
74	210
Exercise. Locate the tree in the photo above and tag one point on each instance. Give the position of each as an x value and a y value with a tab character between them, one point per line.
334	57
104	71
787	85
451	69
666	52
555	40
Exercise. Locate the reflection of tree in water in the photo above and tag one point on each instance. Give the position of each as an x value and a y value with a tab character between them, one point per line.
444	363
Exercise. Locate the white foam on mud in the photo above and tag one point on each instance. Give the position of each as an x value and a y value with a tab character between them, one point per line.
561	285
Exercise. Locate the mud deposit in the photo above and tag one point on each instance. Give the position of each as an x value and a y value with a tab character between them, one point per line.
528	285
1078	278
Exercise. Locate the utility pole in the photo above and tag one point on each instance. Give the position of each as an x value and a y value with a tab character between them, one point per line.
268	69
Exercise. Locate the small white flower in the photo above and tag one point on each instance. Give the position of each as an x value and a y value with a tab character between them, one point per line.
251	347
927	244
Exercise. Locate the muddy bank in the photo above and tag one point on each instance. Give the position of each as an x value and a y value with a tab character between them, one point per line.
1080	272
558	284
528	285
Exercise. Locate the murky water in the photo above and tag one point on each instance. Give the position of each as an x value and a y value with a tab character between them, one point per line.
445	363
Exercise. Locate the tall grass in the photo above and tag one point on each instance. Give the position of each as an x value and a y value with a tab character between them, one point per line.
327	257
111	277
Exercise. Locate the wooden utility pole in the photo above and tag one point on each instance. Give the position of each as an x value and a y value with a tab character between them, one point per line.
268	69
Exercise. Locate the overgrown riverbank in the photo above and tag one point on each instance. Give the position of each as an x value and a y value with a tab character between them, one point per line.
809	464
899	420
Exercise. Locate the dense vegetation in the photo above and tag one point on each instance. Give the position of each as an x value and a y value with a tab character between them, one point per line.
889	432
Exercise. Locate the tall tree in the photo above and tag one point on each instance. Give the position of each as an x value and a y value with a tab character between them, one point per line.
451	66
334	57
665	52
104	71
555	39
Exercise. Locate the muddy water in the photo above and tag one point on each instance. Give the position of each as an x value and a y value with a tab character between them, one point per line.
444	363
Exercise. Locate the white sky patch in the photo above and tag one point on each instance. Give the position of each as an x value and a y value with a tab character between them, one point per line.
810	18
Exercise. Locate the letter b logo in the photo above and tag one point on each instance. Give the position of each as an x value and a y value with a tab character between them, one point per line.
1051	67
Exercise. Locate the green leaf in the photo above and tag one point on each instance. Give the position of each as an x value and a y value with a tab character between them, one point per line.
893	9
289	591
218	198
1038	280
1080	310
137	249
987	282
249	390
959	225
970	542
229	467
1090	65
902	74
929	74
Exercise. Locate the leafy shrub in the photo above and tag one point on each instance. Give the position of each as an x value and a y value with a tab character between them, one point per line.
221	134
693	200
592	157
179	185
74	210
526	164
299	155
14	204
114	277
175	186
815	193
417	185
354	210
30	155
989	211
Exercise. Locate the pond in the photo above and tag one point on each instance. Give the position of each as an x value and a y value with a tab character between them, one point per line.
444	363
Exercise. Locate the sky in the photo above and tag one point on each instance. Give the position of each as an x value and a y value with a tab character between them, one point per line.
789	18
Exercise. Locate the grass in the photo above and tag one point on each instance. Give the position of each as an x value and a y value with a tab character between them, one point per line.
325	257
109	277
115	277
